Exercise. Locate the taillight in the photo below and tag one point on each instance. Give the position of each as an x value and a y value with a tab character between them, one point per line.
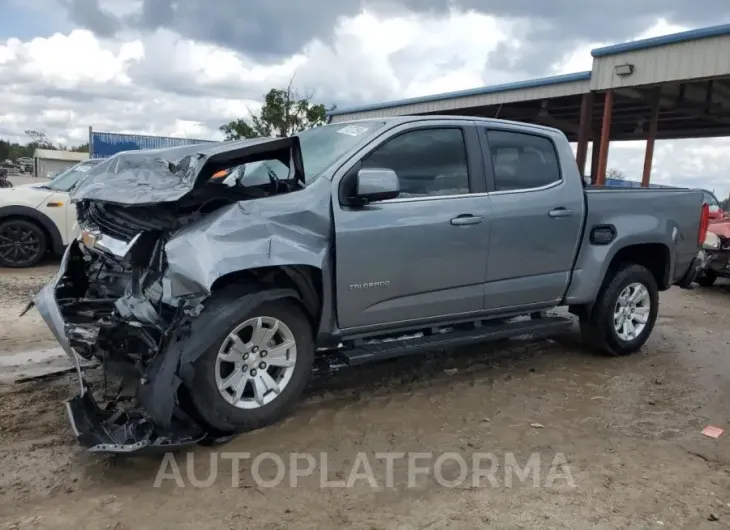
704	223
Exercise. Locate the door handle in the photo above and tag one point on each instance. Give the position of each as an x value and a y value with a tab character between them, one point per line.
467	219
561	212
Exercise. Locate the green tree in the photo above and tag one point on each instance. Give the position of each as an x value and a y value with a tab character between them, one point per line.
13	151
83	148
283	113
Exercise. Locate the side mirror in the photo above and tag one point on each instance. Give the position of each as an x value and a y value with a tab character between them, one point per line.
587	180
376	184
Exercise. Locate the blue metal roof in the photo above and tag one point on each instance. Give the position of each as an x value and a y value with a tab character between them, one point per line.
653	42
530	83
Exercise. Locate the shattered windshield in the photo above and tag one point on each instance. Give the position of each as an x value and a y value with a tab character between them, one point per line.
321	146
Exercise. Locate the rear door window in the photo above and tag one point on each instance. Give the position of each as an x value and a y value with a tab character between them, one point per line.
522	161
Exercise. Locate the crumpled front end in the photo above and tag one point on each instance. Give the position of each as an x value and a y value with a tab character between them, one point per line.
157	232
103	306
131	287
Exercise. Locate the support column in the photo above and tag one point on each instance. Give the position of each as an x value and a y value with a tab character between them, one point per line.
595	150
584	130
605	138
651	136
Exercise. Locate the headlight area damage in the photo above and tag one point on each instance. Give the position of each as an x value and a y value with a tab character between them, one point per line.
156	234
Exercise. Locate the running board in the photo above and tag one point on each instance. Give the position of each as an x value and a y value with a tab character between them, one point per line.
362	353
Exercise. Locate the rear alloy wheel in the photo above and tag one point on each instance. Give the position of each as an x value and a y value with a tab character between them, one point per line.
22	243
631	313
624	313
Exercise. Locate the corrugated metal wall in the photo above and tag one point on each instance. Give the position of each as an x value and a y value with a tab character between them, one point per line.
104	145
47	168
687	60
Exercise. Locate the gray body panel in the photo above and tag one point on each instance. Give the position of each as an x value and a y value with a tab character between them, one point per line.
531	253
669	217
290	229
432	267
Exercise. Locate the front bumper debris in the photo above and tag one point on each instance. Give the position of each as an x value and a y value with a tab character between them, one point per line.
110	429
118	431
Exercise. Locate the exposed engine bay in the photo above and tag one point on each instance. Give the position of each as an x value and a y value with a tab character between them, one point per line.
118	311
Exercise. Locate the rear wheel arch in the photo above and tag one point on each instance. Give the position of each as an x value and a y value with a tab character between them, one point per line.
655	257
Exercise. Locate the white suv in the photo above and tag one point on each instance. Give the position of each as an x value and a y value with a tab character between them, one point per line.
37	218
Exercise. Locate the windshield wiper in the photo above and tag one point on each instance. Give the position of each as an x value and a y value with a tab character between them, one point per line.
273	178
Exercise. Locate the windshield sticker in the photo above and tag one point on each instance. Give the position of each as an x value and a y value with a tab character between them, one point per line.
82	169
352	130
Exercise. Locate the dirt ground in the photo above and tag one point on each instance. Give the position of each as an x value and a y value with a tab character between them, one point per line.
629	429
17	287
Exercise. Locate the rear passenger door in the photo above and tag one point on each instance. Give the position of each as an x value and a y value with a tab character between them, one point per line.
537	218
422	255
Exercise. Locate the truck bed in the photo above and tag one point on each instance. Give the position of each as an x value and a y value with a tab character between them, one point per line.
661	219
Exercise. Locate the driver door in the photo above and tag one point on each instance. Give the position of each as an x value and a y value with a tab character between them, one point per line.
423	255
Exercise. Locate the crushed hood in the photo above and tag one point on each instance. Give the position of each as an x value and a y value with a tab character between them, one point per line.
166	175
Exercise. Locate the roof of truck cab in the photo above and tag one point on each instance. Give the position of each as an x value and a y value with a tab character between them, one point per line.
451	117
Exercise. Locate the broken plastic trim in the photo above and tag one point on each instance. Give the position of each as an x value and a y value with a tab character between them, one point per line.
118	431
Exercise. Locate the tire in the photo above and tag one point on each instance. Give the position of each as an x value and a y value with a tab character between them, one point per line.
707	278
599	329
32	241
219	413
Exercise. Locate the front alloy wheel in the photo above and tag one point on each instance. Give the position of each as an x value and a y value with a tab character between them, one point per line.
256	362
257	366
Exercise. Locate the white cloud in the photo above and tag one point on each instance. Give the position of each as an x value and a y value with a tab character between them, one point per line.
160	83
580	59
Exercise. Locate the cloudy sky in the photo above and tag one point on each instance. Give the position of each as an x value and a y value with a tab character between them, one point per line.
184	67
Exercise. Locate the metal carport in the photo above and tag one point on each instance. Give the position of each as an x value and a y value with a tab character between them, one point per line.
670	87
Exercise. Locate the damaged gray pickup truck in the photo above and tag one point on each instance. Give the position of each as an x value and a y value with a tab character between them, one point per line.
213	280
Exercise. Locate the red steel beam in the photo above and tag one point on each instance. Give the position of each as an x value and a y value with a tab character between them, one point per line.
650	138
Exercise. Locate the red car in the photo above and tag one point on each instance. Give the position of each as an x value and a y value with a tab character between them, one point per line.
716	212
715	251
